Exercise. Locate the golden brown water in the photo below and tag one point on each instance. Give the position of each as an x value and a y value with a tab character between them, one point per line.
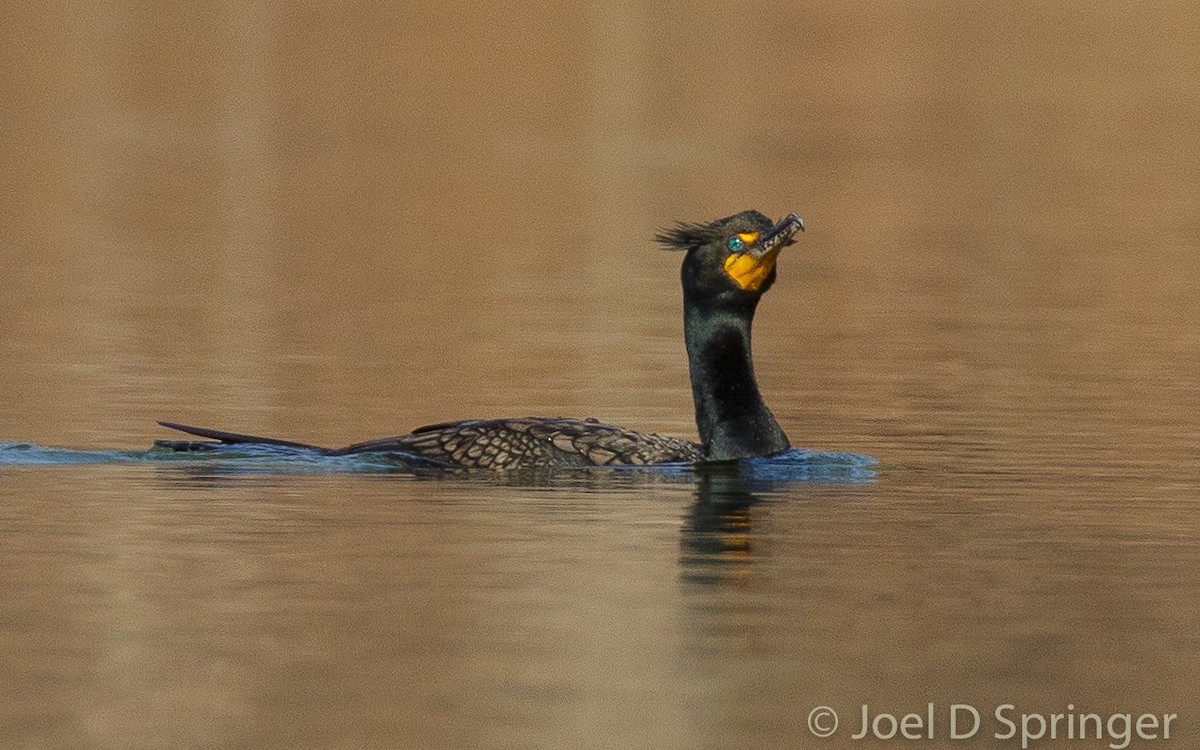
332	223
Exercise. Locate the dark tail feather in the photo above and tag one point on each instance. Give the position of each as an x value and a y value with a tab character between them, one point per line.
230	438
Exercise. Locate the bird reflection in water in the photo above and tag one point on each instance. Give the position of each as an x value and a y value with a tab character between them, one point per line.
717	540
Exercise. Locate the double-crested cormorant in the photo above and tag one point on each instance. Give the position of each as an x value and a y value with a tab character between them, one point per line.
729	264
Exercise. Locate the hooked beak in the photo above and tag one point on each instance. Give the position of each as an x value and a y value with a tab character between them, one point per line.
751	269
779	236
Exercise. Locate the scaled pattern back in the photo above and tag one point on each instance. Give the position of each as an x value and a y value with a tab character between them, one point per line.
533	442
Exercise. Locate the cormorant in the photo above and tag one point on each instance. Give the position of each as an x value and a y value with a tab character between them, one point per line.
728	266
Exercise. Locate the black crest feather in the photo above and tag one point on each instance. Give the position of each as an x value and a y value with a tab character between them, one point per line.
685	236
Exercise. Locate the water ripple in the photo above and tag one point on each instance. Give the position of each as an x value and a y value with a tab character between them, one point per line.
797	464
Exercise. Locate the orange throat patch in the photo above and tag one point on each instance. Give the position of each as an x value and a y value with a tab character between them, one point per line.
750	272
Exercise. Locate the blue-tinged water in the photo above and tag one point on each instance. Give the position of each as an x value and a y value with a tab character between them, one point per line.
795	465
330	223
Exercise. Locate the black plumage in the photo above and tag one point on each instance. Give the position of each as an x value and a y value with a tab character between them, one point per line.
533	441
728	266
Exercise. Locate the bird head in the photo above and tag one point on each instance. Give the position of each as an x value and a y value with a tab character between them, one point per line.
733	257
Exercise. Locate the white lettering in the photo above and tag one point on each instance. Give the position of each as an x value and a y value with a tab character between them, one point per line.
1120	729
1000	717
863	733
911	726
1146	726
954	733
1026	719
1123	736
891	732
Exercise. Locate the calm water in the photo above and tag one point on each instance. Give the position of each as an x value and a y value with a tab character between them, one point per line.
330	225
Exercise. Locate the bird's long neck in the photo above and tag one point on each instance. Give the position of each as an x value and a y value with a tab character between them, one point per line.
730	414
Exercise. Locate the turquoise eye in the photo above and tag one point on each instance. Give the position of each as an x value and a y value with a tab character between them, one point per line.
736	244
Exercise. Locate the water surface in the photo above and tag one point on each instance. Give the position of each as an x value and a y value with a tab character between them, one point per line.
330	225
